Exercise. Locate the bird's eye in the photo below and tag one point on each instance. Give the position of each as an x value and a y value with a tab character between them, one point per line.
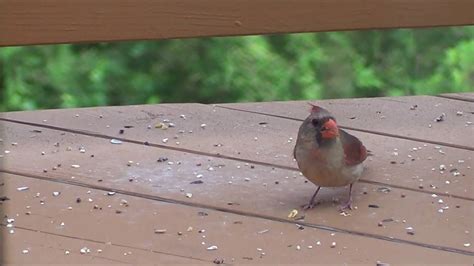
315	122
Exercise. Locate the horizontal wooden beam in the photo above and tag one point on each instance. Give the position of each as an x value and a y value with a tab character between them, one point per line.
25	22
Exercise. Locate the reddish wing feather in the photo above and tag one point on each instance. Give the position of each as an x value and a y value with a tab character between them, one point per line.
354	151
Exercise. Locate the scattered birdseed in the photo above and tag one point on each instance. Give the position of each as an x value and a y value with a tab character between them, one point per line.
115	141
85	250
212	248
162	159
384	189
218	261
440	118
293	213
161	125
22	188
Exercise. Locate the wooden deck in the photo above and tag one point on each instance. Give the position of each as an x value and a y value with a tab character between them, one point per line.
219	185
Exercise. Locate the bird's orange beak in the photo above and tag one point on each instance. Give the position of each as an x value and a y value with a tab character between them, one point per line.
330	129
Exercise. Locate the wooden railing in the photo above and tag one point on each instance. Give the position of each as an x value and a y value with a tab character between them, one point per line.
25	22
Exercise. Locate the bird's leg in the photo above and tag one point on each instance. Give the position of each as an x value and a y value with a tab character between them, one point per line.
311	204
348	204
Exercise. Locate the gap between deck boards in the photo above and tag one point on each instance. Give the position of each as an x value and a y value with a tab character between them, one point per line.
220	156
457	98
105	243
242	213
355	129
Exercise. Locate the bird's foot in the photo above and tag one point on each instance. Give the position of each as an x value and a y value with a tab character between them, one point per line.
346	206
308	206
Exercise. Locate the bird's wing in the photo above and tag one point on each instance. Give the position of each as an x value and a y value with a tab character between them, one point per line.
354	150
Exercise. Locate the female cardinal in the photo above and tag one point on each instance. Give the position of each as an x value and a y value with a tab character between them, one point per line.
328	156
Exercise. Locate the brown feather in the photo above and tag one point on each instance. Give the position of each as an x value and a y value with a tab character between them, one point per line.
354	151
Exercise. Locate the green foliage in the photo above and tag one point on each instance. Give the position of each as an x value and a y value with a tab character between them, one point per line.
232	69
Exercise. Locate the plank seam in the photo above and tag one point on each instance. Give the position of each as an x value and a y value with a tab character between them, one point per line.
456	98
357	129
105	243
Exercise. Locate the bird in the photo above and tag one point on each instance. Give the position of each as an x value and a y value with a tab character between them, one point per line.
327	155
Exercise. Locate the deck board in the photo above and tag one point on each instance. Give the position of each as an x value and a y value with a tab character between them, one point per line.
382	116
469	97
388	116
250	178
104	229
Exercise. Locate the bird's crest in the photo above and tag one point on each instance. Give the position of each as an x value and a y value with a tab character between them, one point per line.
317	111
314	108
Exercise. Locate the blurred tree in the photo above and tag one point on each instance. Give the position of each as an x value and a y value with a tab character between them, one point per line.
232	69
